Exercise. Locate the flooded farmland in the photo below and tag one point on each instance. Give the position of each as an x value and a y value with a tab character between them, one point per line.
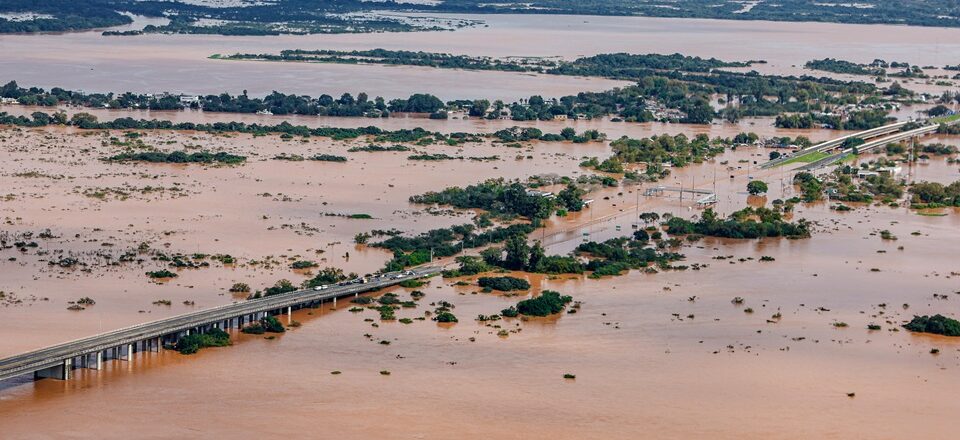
638	345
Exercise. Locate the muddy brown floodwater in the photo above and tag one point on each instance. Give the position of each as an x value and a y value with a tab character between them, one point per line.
178	63
663	355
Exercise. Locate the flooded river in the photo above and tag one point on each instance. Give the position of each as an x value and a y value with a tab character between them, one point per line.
179	63
648	359
664	355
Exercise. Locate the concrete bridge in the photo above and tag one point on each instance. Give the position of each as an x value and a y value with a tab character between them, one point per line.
57	361
869	146
837	142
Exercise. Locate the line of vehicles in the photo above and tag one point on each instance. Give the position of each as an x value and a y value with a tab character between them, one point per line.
365	280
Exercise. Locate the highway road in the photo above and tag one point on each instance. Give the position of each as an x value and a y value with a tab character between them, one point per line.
863	148
834	143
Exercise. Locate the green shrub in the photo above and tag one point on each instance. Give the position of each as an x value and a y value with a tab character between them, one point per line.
303	264
412	284
254	329
504	284
445	317
191	344
161	274
936	324
548	303
272	325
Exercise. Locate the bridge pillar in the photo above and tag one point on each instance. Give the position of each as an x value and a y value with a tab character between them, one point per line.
99	364
65	369
61	372
289	314
129	348
334	302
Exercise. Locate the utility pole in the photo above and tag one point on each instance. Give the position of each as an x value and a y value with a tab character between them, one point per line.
636	217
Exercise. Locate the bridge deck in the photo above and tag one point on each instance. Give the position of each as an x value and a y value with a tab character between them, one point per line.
836	142
29	362
870	146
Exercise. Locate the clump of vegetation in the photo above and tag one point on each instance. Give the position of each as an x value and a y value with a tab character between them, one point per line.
255	328
303	264
269	324
413	251
327	276
503	284
757	187
192	343
378	148
445	317
178	157
280	287
412	284
386	312
159	274
469	265
548	303
677	151
740	224
843	66
389	298
936	324
240	288
328	158
505	199
934	195
810	186
616	255
443	313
